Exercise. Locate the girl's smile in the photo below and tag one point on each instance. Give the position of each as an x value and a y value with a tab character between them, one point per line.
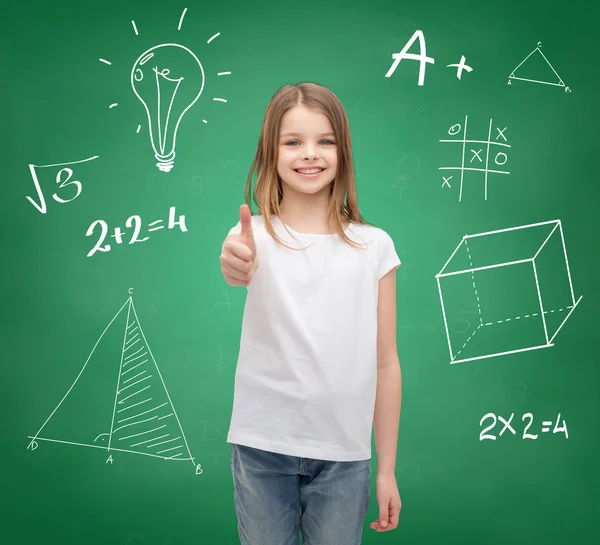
312	172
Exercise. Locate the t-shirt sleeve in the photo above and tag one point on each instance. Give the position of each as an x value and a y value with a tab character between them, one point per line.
235	230
387	258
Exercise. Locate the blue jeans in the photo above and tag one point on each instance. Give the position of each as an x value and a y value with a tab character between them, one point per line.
277	496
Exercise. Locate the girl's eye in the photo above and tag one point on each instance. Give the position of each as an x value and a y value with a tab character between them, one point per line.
331	142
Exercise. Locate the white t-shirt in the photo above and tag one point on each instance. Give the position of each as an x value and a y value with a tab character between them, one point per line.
306	375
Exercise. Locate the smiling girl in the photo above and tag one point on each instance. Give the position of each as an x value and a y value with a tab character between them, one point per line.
318	368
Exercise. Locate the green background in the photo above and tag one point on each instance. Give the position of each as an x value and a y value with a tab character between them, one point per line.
455	487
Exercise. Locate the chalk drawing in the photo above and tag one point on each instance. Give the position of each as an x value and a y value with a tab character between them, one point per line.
68	172
133	222
423	59
521	270
547	426
168	79
144	420
551	78
473	155
460	67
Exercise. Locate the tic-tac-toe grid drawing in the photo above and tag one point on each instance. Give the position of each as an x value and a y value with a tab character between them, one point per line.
486	156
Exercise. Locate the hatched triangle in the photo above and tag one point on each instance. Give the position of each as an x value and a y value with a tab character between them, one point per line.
139	418
536	68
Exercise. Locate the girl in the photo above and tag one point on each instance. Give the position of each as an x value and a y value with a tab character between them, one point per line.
318	367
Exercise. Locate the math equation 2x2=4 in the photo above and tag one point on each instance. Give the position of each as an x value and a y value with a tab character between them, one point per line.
547	426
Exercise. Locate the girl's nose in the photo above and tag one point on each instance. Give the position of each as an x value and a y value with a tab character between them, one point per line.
310	152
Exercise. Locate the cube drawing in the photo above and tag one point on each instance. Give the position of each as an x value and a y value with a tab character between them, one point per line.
506	291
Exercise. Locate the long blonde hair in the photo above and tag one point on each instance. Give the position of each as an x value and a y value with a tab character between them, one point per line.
268	191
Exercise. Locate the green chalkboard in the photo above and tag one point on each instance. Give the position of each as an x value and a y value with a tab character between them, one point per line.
480	162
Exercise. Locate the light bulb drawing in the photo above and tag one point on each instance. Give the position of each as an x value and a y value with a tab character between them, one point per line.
168	79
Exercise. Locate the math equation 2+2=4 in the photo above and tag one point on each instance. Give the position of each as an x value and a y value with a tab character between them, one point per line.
506	425
134	222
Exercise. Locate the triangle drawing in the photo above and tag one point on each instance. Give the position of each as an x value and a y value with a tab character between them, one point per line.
536	68
118	401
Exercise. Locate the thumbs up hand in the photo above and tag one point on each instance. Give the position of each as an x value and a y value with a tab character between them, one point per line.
239	259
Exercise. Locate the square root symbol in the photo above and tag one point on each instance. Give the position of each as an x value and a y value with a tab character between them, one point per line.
506	291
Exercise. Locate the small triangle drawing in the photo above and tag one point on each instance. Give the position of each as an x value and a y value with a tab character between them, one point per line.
139	418
523	71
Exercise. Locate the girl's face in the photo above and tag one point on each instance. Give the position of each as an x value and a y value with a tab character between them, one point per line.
308	158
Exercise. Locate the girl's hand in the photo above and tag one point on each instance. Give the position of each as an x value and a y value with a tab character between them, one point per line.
239	259
388	498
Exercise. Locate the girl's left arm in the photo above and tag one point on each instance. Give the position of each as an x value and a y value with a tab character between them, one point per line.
389	378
